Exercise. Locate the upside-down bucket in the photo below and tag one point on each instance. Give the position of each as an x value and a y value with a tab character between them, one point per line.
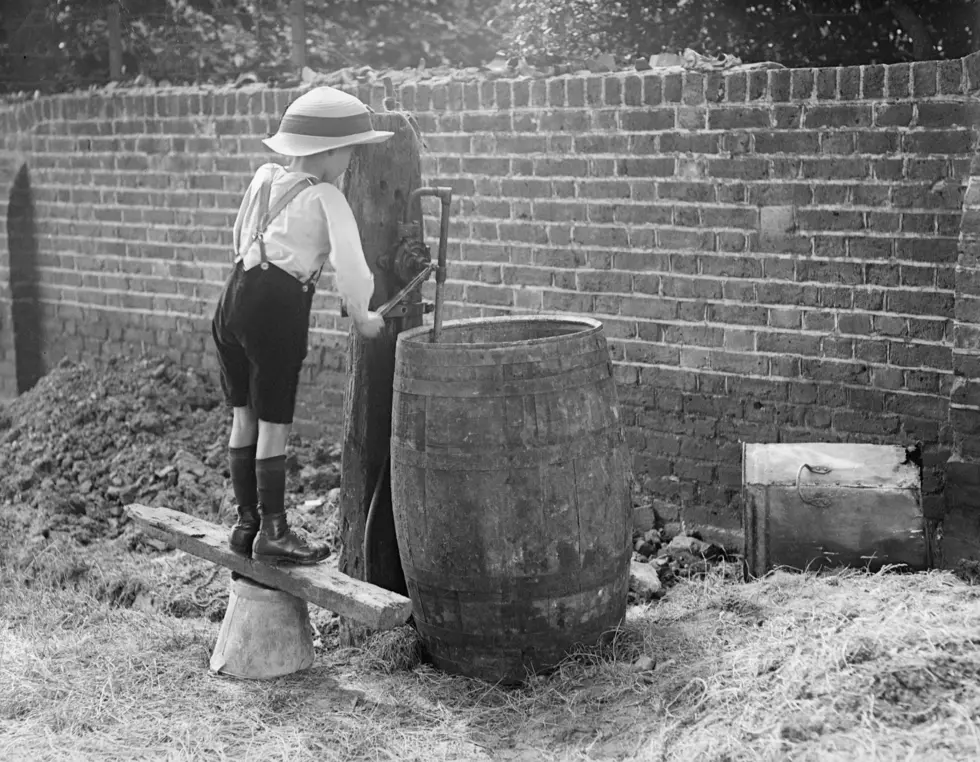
510	489
265	633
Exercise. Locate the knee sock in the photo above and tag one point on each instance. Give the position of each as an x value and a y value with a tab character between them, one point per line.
270	475
241	464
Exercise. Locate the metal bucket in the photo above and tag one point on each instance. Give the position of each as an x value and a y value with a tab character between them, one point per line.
265	634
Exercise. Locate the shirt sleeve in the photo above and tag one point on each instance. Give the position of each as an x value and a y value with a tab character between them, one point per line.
355	282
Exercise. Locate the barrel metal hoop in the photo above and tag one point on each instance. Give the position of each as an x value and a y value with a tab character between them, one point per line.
504	371
416	355
552	640
596	444
560	382
422	335
555	585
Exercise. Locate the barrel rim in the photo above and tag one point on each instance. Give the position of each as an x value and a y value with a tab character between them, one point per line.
589	325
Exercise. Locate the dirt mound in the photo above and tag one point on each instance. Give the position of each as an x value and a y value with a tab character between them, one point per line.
89	439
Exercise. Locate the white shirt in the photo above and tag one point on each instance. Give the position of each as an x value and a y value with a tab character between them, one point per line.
317	226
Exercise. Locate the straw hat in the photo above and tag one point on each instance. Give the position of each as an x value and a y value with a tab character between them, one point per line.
323	119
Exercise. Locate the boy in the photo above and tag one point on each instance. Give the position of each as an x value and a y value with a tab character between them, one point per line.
291	221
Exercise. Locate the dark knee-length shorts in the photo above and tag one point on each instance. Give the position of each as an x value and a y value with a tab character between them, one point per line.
260	329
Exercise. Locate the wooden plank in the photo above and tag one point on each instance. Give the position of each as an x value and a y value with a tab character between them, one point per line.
368	604
855	465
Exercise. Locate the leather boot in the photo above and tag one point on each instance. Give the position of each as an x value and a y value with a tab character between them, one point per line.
241	465
246	528
276	543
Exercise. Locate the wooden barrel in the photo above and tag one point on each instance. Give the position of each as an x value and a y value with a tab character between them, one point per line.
510	490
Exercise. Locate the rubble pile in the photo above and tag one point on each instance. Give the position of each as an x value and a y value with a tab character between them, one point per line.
88	440
663	556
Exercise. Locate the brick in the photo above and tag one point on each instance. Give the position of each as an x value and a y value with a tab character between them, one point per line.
594	91
743	168
872	81
779	84
611	189
938	142
946	114
731	117
837	143
826	219
687	142
877	142
838	115
738	314
645	214
654	167
477	294
920	356
652	90
829	272
737	143
729	217
692	92
600	236
924	79
556	93
920	303
742	364
673	87
791	142
690	118
826	83
897	80
648	120
835	169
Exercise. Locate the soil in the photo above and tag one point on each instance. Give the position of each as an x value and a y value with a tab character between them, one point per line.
90	438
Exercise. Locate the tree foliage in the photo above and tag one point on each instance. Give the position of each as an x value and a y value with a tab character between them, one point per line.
791	32
53	44
58	44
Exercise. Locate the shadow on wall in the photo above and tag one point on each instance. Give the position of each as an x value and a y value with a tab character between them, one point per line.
26	309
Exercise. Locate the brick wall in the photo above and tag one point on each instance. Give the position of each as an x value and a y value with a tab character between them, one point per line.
962	521
773	253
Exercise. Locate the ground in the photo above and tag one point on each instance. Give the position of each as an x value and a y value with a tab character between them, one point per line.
105	636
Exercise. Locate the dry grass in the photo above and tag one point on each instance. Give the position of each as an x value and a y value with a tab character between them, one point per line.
795	667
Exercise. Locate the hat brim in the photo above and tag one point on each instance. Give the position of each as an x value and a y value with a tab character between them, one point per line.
288	144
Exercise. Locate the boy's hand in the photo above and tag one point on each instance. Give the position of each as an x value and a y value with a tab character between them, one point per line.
371	326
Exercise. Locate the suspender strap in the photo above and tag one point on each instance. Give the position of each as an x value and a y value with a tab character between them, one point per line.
267	215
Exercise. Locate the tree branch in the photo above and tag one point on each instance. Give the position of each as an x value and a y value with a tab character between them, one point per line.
922	46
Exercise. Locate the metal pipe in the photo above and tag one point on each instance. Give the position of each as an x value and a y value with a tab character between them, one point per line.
371	520
385	308
445	194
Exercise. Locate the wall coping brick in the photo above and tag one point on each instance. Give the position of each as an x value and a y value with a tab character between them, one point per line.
936	79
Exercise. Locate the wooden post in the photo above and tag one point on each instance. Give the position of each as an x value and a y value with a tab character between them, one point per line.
115	41
297	23
381	179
